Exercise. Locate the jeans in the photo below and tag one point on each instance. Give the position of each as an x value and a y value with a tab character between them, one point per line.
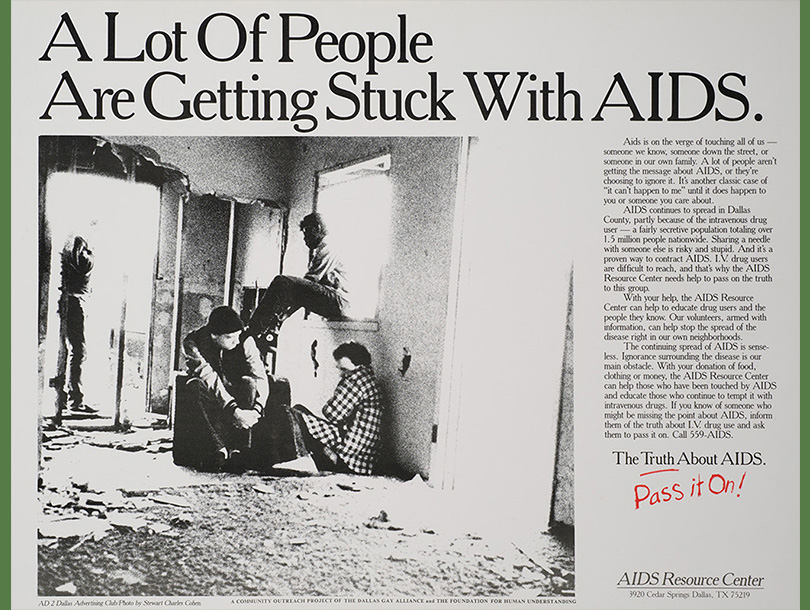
212	401
286	295
68	382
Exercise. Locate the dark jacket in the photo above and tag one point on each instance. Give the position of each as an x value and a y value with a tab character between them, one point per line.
206	360
77	263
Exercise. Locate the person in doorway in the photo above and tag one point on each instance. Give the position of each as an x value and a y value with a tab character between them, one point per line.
347	437
323	290
228	384
76	261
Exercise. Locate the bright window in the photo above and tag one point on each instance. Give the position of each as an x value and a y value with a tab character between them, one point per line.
355	202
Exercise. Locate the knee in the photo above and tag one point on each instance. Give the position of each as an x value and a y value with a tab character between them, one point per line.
249	383
299	409
196	387
280	283
297	413
194	383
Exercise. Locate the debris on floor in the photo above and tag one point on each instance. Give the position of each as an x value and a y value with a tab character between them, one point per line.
68	588
120	519
170	500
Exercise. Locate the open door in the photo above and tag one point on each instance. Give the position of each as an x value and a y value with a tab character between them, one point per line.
498	428
119	220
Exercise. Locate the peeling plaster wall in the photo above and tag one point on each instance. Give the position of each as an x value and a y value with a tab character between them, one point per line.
415	278
202	261
257	245
245	167
165	297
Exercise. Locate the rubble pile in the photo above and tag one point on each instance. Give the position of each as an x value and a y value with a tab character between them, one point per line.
118	518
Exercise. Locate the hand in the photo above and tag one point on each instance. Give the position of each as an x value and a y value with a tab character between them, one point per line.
245	418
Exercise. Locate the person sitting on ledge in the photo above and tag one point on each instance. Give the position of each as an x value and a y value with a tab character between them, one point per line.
228	384
347	437
323	290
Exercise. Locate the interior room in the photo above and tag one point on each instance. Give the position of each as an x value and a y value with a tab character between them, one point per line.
476	367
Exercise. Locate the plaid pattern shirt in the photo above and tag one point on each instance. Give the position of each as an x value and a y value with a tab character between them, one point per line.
351	424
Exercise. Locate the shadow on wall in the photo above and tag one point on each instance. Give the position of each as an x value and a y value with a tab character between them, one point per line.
562	498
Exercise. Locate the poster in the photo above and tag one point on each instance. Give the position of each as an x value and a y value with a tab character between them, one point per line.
573	231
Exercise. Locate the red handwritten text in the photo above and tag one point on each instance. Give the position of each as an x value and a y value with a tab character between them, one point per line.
716	484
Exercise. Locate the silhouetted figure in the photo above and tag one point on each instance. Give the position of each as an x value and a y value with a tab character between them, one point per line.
76	265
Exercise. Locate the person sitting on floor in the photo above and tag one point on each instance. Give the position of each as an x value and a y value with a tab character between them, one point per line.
347	437
228	383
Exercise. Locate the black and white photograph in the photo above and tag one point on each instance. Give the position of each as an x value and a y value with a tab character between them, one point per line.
356	303
248	384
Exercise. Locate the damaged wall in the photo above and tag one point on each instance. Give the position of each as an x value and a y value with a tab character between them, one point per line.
247	168
234	166
204	254
259	236
253	171
160	374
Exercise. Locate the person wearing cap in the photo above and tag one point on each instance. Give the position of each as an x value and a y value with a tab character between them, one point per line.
323	290
227	382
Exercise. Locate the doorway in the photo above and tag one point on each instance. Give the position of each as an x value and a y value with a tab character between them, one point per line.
498	430
119	220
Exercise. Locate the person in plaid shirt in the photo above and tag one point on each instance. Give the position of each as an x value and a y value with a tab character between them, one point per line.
347	437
